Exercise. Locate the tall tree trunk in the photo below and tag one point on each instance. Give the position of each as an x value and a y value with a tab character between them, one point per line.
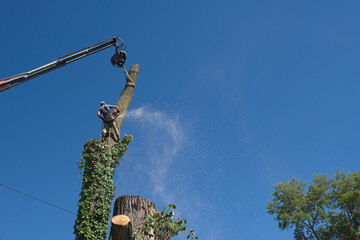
98	204
124	102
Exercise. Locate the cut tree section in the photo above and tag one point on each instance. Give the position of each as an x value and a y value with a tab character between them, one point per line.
120	228
136	208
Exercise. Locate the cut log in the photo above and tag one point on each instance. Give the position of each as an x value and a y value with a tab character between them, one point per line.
120	228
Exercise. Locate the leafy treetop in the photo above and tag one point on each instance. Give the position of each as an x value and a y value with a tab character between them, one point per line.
329	209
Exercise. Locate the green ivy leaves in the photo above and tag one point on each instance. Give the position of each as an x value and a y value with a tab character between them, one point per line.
164	224
97	167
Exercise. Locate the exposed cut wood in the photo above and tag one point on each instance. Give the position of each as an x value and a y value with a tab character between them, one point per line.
120	228
120	220
134	206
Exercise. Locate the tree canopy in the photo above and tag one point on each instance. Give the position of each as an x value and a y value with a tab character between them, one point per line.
329	209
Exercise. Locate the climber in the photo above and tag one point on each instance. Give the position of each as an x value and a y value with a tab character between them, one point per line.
108	119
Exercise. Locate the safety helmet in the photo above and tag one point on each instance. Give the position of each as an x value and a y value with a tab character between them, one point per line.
102	103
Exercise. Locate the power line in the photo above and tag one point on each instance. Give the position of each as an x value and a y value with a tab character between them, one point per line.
29	196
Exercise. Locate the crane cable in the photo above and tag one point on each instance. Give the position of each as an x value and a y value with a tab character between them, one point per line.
37	199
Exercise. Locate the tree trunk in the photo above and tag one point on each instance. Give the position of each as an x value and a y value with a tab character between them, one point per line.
120	228
124	102
136	207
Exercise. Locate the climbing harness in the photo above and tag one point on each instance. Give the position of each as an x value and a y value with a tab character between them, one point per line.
109	118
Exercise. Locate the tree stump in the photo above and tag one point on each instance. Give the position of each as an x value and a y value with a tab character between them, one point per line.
120	228
136	208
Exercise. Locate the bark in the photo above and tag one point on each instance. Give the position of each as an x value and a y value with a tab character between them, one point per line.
136	208
124	102
121	228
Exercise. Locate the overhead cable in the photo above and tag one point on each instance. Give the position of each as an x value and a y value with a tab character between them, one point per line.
29	196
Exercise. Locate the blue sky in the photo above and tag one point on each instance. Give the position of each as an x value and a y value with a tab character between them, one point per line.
232	97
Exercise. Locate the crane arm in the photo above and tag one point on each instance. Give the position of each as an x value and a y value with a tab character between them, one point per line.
117	60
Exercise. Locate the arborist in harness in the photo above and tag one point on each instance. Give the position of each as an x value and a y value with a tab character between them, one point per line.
105	109
108	119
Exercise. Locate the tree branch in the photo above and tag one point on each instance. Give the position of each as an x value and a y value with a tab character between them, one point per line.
349	217
313	230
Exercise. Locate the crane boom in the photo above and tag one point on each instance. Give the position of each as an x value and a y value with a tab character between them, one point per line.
117	60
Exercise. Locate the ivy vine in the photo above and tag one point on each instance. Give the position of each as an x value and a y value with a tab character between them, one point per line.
97	167
165	225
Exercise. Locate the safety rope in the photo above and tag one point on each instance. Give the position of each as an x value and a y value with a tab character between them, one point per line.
129	81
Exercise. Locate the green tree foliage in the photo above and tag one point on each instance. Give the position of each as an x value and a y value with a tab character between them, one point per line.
329	209
164	224
97	169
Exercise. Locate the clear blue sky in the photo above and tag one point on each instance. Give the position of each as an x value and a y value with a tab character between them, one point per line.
232	97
